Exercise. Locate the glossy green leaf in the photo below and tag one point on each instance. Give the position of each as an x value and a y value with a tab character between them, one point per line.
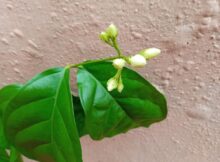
6	94
3	141
107	114
39	121
103	115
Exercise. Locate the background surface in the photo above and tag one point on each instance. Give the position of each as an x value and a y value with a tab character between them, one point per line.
38	34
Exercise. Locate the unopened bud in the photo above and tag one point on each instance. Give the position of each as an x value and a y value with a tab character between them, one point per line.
112	31
112	84
150	53
119	63
120	86
104	36
137	61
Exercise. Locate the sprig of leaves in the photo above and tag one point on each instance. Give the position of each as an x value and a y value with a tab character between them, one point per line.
43	121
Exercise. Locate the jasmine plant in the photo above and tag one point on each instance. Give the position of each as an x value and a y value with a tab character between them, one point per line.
42	120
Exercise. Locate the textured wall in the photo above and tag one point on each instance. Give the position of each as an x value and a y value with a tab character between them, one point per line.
38	34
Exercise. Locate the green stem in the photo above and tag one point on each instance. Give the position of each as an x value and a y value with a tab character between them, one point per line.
91	61
115	45
15	156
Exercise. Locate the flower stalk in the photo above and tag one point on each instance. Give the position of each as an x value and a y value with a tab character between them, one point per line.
119	61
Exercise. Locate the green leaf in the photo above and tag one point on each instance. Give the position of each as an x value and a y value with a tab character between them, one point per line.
3	141
6	94
3	145
107	114
3	155
79	115
39	121
104	116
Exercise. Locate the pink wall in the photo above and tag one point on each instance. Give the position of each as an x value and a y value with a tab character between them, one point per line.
38	34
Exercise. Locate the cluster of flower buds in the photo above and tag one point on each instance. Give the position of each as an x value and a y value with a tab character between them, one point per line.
115	82
136	61
110	34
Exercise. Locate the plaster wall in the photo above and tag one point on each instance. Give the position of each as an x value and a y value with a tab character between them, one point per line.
38	34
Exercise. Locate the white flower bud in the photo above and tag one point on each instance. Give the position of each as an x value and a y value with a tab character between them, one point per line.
112	84
120	86
138	61
119	63
104	36
150	53
112	31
